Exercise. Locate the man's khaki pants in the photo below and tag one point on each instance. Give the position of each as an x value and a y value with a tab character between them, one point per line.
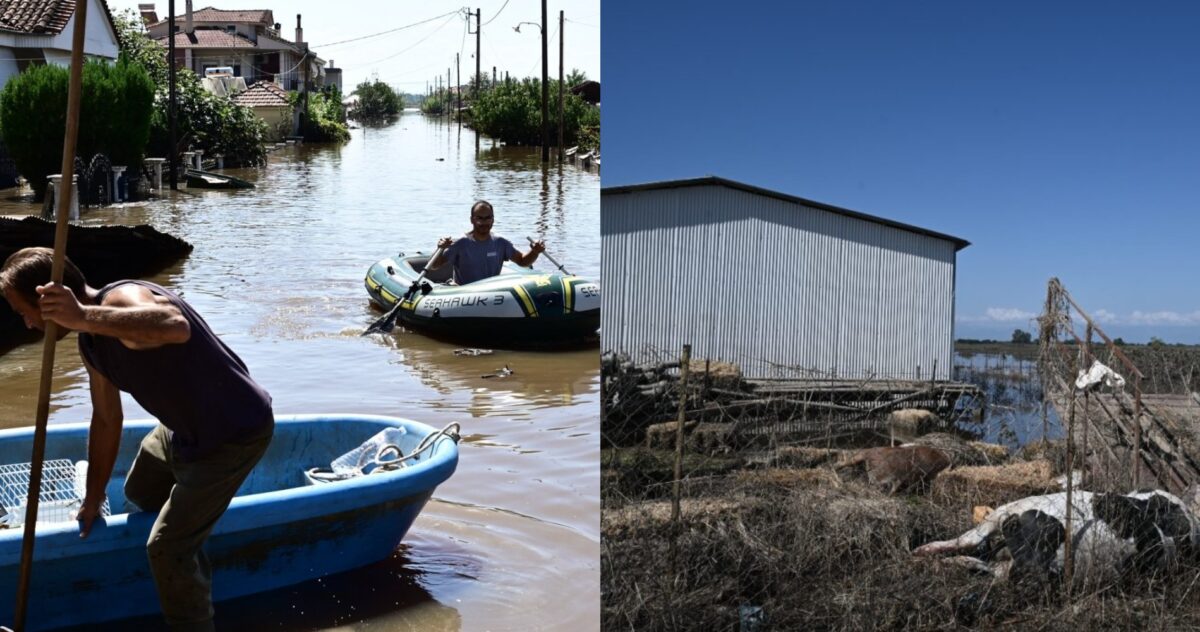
190	497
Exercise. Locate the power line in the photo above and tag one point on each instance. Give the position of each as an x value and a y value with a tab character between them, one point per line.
580	23
400	28
497	13
417	43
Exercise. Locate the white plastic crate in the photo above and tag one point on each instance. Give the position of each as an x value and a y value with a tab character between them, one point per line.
64	485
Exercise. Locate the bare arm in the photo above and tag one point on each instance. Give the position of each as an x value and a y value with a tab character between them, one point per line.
104	439
131	313
439	258
527	259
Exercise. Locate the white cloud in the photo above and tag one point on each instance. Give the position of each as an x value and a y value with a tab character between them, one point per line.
1008	314
1168	318
1105	317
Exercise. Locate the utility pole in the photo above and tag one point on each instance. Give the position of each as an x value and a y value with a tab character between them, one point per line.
173	161
478	30
458	76
560	85
493	76
447	94
545	90
307	67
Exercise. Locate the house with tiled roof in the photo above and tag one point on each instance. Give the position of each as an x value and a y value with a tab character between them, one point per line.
269	102
247	40
40	32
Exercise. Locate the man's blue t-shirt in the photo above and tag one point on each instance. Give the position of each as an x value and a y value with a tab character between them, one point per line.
474	260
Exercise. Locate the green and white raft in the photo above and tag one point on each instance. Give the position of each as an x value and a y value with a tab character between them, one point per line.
520	307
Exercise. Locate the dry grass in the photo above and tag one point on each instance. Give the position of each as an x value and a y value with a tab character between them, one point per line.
816	553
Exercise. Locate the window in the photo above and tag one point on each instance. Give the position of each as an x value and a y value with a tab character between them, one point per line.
230	28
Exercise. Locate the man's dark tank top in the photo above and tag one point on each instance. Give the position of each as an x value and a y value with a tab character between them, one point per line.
200	390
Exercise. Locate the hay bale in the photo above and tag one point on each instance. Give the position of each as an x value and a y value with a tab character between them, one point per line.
788	478
993	453
964	453
803	456
662	436
702	438
711	438
1053	451
995	485
655	515
720	374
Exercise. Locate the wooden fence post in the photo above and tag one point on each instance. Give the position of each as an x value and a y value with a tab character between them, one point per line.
684	361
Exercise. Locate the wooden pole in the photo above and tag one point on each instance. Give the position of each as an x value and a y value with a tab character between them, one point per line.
683	379
1068	565
74	90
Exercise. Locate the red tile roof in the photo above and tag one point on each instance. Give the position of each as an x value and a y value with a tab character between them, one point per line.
36	16
209	14
209	38
263	93
41	17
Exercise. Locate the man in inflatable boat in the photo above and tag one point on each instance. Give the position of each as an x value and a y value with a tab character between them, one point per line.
215	421
479	254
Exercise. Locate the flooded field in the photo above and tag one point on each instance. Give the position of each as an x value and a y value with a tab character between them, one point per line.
511	541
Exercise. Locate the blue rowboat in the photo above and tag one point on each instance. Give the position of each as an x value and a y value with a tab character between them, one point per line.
286	525
520	307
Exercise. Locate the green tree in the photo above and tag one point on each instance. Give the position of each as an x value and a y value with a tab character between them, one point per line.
1021	337
325	120
206	121
377	103
136	44
512	113
114	116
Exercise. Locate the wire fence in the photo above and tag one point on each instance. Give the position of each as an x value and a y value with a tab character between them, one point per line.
776	503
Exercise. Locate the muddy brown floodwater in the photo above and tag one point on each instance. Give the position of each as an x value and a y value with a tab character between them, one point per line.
511	541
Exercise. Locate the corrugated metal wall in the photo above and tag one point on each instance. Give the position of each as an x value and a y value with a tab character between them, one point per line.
769	283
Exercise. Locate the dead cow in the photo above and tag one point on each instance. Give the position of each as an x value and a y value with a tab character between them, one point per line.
1111	534
901	468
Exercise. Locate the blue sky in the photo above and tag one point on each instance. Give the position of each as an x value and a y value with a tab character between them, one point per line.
1061	139
406	58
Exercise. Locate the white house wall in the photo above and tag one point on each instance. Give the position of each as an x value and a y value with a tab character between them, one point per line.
769	283
8	65
99	38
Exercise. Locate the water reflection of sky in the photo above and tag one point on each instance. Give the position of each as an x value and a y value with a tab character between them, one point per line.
1014	402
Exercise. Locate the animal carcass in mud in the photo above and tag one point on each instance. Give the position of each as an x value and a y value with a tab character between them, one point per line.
1111	535
900	468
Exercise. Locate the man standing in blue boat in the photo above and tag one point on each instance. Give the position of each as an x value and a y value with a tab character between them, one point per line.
215	421
479	254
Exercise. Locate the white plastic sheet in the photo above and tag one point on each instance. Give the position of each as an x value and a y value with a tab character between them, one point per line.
1096	374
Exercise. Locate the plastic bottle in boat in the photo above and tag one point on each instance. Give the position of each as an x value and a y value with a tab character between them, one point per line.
361	460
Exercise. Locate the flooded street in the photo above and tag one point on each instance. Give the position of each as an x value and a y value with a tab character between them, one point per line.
511	541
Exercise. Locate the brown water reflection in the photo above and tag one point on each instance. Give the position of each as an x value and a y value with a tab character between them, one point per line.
512	540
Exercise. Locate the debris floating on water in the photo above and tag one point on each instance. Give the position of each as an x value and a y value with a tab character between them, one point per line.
473	352
505	372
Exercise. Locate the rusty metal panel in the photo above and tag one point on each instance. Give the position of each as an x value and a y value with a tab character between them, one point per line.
770	283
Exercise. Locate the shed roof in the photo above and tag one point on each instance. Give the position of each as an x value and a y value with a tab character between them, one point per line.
959	243
262	93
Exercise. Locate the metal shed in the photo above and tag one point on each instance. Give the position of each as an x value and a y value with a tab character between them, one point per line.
782	285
